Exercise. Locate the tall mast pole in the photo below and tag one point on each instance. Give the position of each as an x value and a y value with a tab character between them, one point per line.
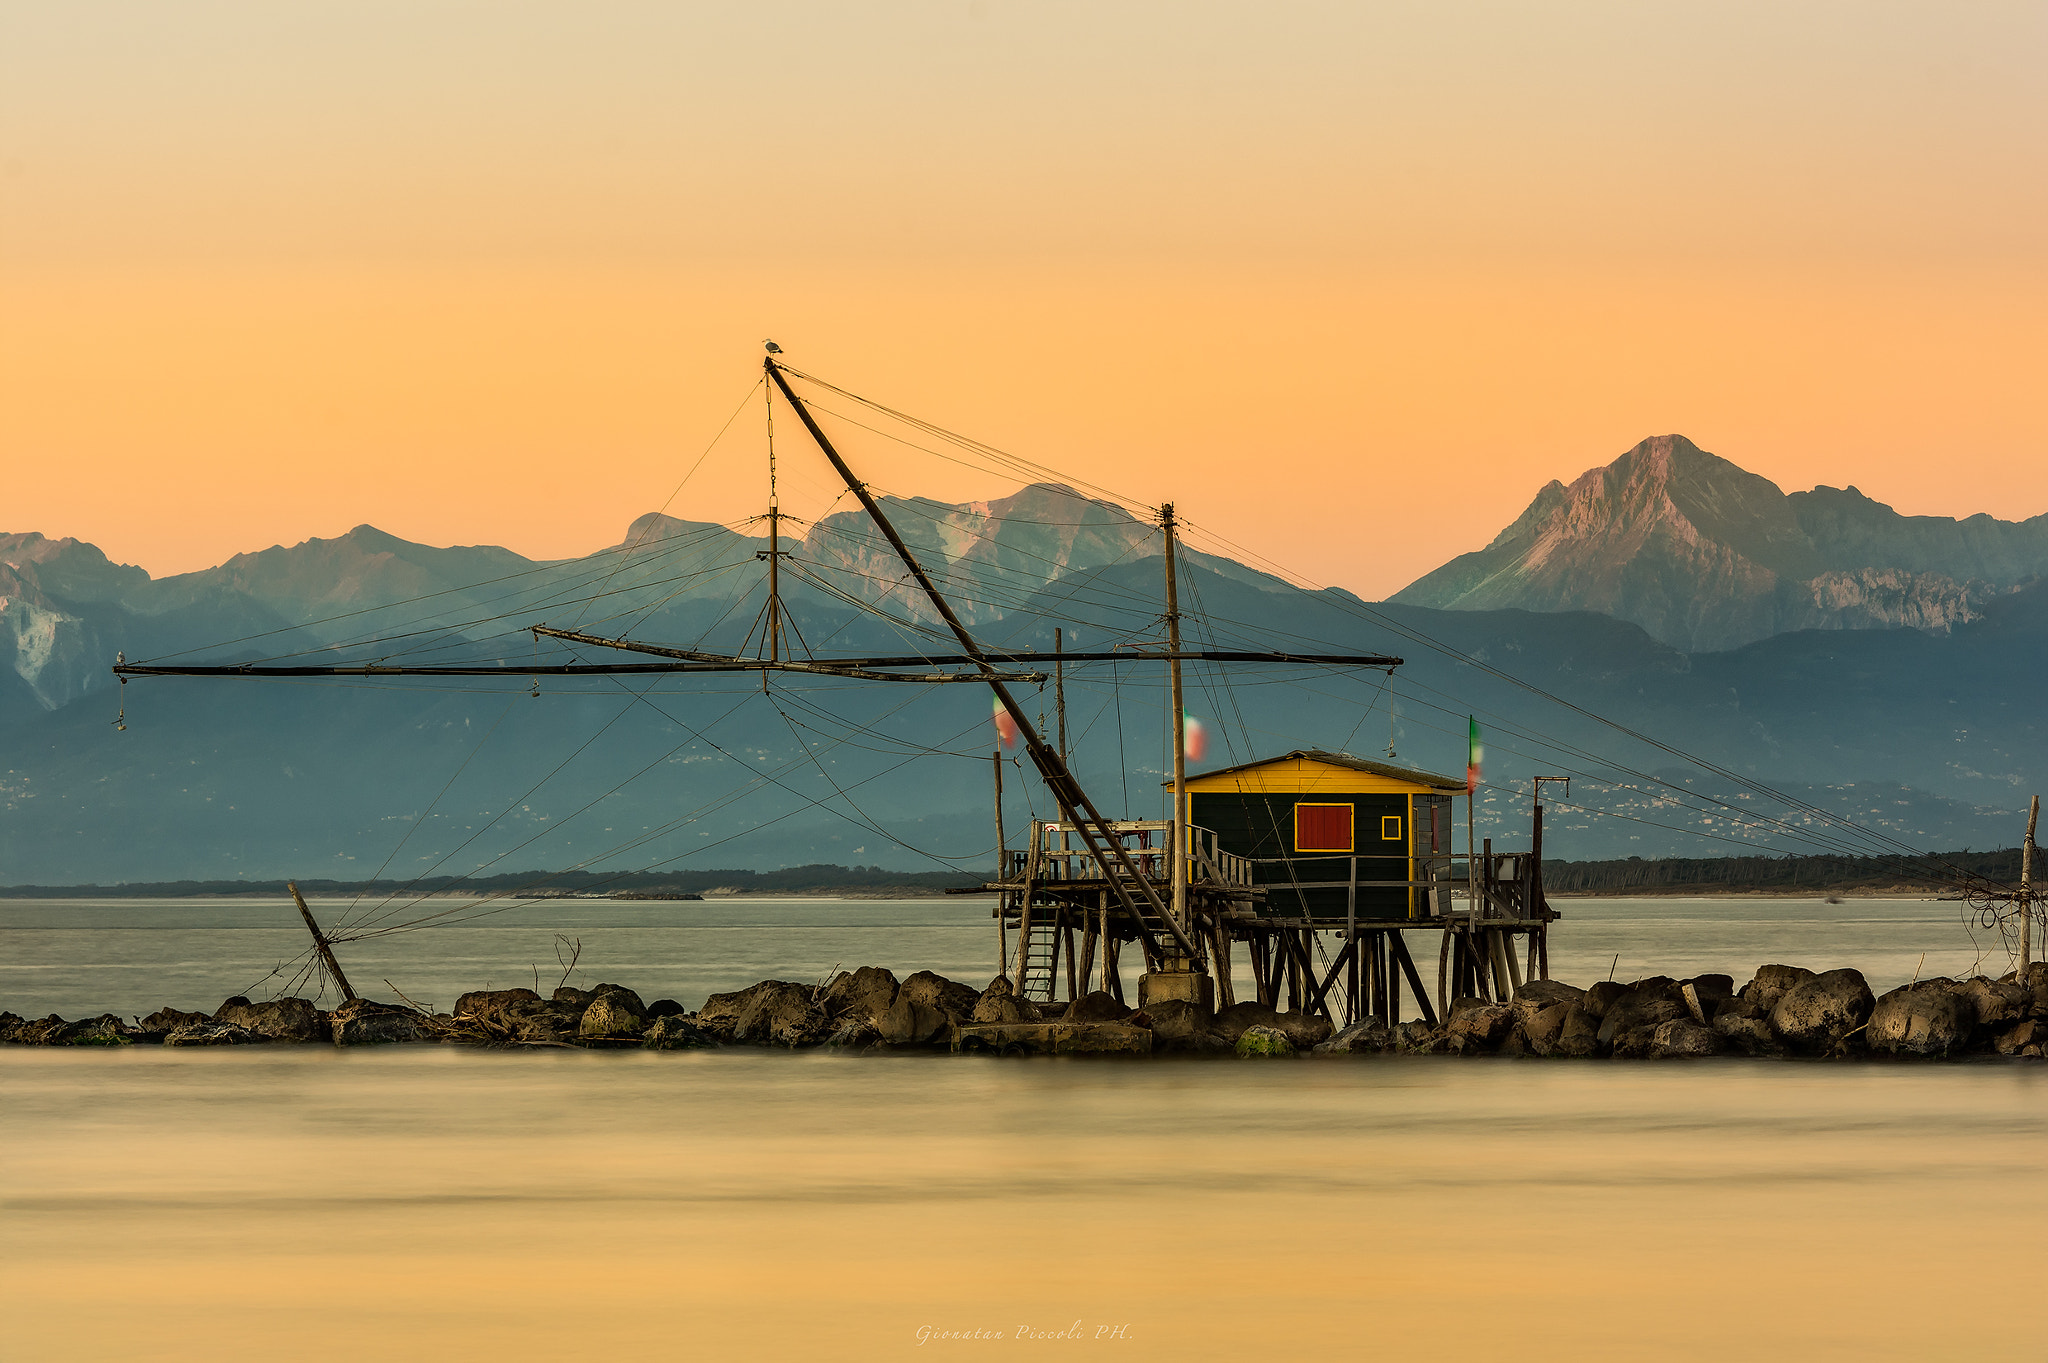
1180	728
1118	870
774	543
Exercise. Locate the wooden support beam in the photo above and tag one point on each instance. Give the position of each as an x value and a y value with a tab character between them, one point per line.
1397	943
321	944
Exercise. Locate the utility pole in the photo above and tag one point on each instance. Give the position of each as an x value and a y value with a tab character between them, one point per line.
321	944
2027	890
1180	729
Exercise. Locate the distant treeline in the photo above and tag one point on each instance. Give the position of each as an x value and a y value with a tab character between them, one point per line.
1776	873
819	879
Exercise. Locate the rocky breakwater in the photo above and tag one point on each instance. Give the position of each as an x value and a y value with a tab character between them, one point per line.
1781	1011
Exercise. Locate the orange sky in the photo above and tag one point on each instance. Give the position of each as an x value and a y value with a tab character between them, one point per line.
498	272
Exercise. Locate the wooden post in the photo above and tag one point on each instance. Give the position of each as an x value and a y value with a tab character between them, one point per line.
1073	976
1178	843
320	944
1226	996
2026	904
1087	947
1059	687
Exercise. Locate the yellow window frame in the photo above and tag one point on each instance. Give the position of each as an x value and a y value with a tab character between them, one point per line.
1350	843
1385	821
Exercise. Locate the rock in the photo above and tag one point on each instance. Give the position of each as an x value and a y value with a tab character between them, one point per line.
853	1034
665	1008
1681	1038
610	1016
1997	1004
1465	1003
1171	1021
1817	1015
1416	1036
1304	1030
861	995
2036	984
1704	994
1481	1030
238	1001
954	1001
170	1020
1100	1038
999	1003
37	1031
1533	997
1927	1018
1773	982
292	1019
1230	1024
778	1013
212	1034
539	1020
2022	1038
10	1027
1579	1038
1096	1007
490	1004
670	1032
1601	997
1263	1041
1645	1007
579	999
1360	1038
1543	1029
1745	1027
364	1022
622	998
910	1023
722	1011
104	1030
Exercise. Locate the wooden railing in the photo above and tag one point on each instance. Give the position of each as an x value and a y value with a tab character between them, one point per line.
1061	856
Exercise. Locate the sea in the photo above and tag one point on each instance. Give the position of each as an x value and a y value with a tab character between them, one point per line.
745	1203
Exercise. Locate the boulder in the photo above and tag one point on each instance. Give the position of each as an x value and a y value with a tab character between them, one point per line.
1360	1038
1098	1006
999	1003
1230	1024
1817	1015
579	999
1927	1018
623	999
1543	1029
670	1032
954	1001
861	995
2024	1038
1263	1041
1746	1027
1537	995
170	1020
10	1027
911	1023
2036	984
104	1030
37	1031
609	1017
538	1020
490	1004
721	1011
1645	1007
780	1014
1773	982
1638	1043
1099	1038
1997	1004
364	1022
665	1008
1481	1030
1681	1038
1704	994
1304	1030
854	1034
1417	1037
1601	997
1170	1021
1465	1003
212	1034
291	1019
1579	1037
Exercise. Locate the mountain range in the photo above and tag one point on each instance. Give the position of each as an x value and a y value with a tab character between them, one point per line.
1647	593
1705	555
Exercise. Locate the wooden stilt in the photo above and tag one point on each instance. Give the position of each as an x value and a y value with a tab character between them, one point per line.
1067	932
321	944
1088	944
1398	944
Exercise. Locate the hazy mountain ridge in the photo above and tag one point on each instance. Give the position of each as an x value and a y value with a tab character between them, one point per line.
1706	555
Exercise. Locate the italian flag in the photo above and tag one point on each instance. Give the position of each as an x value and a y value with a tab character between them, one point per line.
1472	755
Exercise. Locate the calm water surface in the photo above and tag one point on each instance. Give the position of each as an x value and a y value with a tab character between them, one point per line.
751	1204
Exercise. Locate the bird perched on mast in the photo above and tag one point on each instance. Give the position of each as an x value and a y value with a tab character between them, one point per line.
773	349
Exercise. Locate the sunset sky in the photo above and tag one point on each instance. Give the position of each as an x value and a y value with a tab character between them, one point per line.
1347	281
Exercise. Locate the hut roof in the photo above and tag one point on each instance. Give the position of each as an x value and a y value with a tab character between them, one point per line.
1385	771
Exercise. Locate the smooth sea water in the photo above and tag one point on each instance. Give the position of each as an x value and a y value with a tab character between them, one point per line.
748	1204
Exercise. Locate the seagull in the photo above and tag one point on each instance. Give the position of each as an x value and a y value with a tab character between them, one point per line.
773	349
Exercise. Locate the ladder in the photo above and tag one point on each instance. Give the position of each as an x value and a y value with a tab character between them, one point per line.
1041	966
